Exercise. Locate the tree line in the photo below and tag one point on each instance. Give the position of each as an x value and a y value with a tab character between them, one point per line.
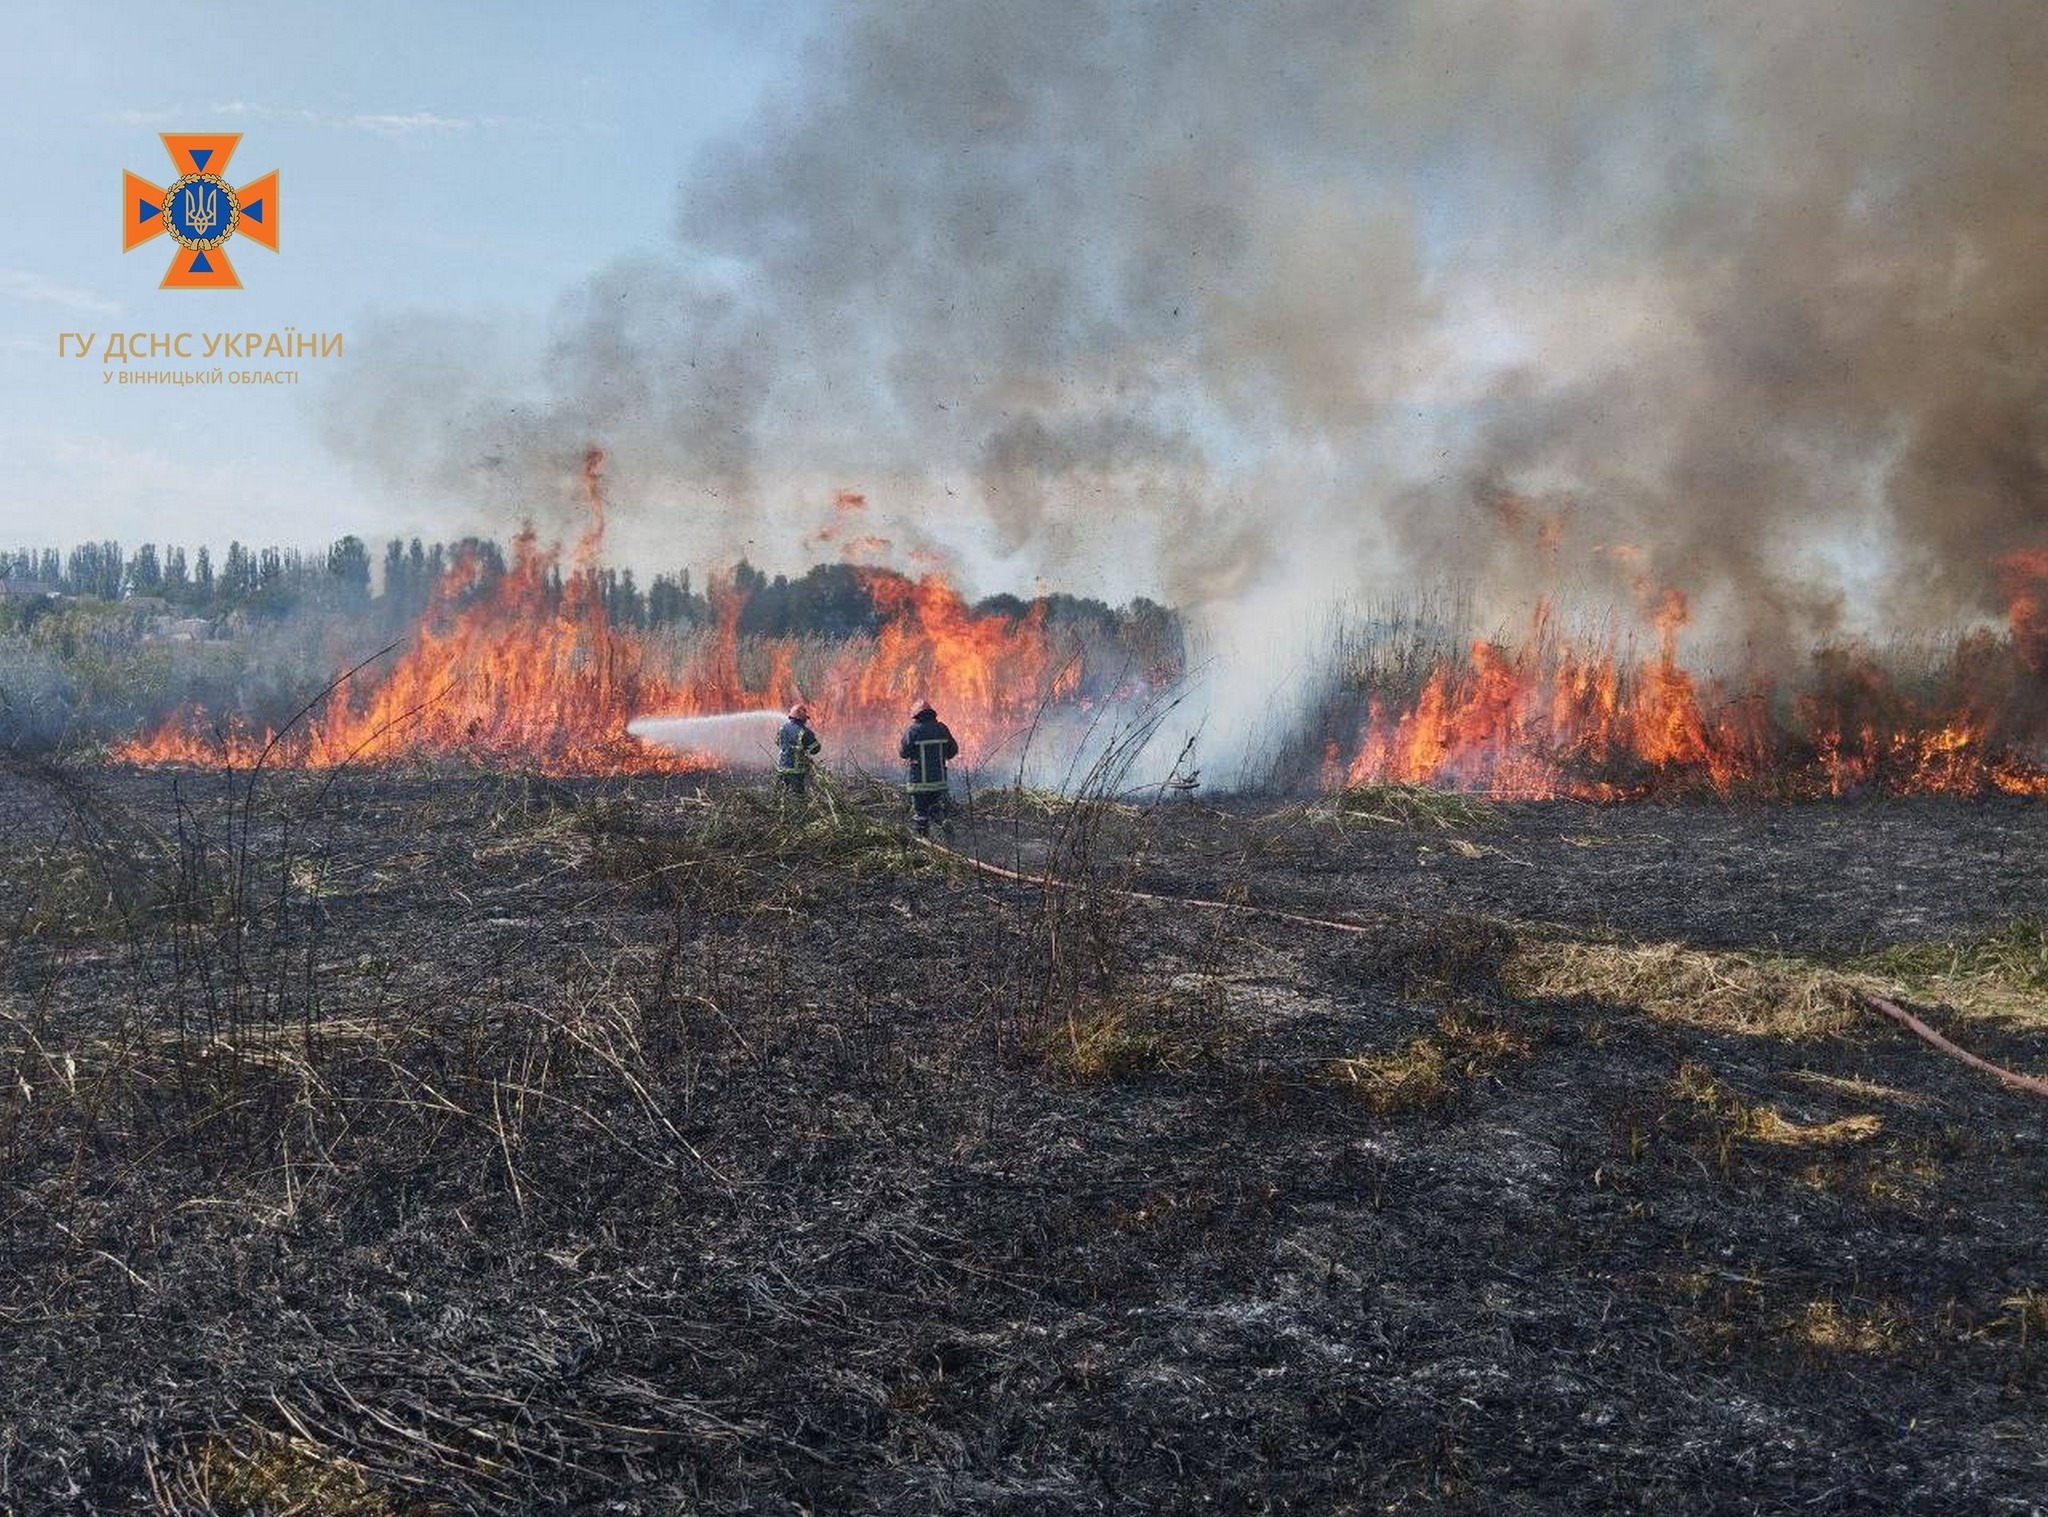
832	600
246	578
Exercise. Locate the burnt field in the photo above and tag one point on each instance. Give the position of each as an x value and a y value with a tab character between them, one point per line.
459	1142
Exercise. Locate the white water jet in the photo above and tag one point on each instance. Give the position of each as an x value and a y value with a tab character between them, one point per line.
737	739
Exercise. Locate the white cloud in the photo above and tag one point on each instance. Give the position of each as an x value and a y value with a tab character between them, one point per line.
411	124
39	289
392	124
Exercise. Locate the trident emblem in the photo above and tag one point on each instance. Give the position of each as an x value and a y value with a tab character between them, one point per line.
202	208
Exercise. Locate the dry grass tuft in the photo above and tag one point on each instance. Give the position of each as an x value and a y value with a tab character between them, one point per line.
1411	806
1111	1043
1901	1182
1767	1126
1480	1041
1827	1327
272	1475
1730	1120
2027	1314
1867	1090
1414	1077
2003	976
1727	992
1427	1071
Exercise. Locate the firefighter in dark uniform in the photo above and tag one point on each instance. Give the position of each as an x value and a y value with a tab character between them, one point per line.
797	749
927	744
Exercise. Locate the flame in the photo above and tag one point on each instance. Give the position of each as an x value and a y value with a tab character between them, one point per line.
528	670
2024	577
993	671
1548	717
504	672
847	506
525	668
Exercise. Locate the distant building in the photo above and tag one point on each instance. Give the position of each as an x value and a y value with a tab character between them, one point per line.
183	629
27	589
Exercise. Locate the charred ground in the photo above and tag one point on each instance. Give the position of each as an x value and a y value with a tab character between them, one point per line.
463	1142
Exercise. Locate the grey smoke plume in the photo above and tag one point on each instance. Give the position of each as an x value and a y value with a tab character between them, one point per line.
1245	304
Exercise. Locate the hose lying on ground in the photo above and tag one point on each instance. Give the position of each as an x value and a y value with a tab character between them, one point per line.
1928	1035
2011	1079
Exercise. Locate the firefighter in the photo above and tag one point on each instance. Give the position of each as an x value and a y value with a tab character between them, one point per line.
797	749
927	744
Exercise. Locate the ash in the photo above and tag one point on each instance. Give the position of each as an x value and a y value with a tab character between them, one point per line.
437	1141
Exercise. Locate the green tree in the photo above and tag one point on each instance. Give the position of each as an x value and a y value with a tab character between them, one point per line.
145	571
348	573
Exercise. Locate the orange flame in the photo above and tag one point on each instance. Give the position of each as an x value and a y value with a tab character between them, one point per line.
2024	578
1549	718
521	672
497	674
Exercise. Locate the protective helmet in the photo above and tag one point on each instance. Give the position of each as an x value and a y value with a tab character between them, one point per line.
924	709
799	712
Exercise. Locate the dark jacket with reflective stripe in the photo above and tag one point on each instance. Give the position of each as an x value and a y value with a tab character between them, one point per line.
796	746
927	745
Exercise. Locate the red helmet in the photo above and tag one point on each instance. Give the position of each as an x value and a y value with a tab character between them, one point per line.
924	709
799	712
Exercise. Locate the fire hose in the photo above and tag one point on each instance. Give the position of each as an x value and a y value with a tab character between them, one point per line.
1928	1035
2012	1079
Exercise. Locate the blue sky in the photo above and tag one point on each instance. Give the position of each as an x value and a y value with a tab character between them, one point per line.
459	159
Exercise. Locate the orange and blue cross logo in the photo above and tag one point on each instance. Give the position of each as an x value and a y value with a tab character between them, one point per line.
200	210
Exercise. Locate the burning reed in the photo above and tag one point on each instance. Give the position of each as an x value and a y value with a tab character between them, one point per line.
516	673
1555	714
528	670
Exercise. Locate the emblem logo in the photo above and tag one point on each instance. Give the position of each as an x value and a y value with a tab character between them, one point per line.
200	211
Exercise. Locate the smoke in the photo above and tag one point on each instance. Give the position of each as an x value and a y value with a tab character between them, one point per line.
1244	306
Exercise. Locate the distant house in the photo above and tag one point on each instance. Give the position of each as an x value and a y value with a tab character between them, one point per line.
184	629
27	589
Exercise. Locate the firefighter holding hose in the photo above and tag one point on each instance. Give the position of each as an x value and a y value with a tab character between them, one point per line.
927	745
797	749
